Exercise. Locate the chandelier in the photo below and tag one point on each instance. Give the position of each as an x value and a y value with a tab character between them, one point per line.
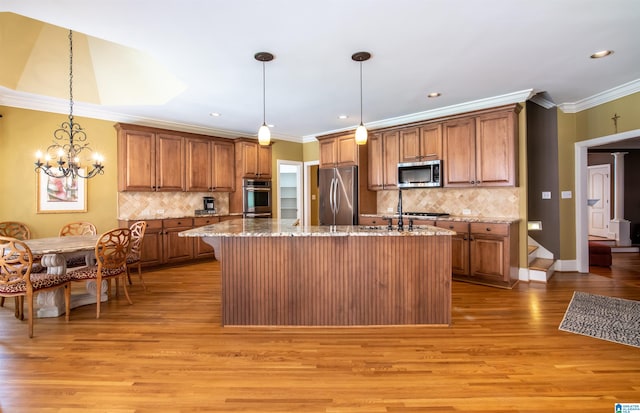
70	141
361	130
264	134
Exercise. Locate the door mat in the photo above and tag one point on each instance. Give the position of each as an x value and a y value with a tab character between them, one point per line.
606	318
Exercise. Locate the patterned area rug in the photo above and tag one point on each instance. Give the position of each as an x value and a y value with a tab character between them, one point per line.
607	318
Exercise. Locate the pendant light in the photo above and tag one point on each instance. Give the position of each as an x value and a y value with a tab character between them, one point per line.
361	131
264	134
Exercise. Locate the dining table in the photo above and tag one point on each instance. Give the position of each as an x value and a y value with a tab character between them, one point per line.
55	253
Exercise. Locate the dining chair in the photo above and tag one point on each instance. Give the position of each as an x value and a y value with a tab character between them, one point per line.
17	279
15	229
77	228
73	229
133	259
111	253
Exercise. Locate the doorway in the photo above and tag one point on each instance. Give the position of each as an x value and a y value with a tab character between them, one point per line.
311	194
598	194
289	190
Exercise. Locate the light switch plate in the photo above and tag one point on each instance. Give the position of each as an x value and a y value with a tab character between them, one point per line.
566	194
466	212
546	195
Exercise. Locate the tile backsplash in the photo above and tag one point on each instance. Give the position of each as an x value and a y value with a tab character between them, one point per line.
481	202
158	205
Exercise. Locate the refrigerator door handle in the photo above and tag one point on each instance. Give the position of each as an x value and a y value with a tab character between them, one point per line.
336	197
331	197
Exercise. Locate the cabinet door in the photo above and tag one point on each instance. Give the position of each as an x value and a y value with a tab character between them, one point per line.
152	244
198	165
347	150
201	248
495	149
264	161
169	163
488	259
223	167
136	161
248	159
176	248
410	145
376	162
391	148
459	153
328	153
459	246
431	142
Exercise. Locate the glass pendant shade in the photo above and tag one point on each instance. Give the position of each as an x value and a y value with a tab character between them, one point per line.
264	135
361	135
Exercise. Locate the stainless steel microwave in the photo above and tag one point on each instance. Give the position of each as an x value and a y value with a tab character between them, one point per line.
423	174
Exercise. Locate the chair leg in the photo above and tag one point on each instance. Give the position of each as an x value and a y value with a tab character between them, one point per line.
126	290
140	276
19	310
129	276
31	315
1	301
98	294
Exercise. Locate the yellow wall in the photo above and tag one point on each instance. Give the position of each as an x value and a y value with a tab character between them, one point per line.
282	150
311	151
22	133
575	127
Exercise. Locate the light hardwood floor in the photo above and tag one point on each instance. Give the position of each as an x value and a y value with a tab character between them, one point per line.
168	353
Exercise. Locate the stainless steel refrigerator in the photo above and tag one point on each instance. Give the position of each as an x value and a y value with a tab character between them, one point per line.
338	189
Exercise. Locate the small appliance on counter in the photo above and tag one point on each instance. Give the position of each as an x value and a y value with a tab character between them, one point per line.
209	206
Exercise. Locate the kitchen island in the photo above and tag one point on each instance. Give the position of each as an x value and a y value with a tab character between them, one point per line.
276	273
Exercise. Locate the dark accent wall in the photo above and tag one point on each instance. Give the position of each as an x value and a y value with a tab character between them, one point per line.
542	175
631	180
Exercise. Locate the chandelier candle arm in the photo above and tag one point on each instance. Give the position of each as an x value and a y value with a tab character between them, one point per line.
69	142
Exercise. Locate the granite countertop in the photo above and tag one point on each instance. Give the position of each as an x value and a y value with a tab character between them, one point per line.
459	218
265	227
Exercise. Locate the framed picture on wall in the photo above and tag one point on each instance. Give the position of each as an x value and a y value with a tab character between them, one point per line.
60	195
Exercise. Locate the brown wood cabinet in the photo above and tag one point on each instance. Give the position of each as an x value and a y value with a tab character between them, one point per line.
421	143
384	156
252	159
200	248
149	160
481	150
210	165
484	253
340	150
175	248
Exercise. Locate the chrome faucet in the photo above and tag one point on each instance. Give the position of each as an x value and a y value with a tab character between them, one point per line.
400	223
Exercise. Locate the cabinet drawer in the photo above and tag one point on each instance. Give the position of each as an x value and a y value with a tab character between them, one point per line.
423	222
454	225
490	228
178	222
202	221
153	224
364	220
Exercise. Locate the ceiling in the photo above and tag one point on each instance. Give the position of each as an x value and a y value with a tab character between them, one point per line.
474	53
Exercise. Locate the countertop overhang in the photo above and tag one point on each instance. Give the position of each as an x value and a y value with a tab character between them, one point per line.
265	227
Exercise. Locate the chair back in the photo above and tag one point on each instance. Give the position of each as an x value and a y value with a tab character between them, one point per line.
16	260
137	235
78	228
112	249
14	229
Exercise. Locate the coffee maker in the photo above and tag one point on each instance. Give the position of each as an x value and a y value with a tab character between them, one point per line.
209	203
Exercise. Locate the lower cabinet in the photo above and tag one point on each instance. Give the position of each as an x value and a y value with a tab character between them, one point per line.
163	245
484	253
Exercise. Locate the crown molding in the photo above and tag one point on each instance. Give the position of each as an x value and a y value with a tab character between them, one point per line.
542	101
486	103
617	92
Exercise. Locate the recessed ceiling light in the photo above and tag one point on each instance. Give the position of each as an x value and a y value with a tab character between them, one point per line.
343	117
601	53
433	95
270	125
215	114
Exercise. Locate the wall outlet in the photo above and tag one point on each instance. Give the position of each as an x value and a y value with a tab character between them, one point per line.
546	195
389	209
566	194
159	211
466	212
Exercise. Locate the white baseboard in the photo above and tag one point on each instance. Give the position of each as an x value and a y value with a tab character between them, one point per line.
566	265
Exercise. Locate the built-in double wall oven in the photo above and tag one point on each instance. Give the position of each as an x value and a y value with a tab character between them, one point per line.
256	198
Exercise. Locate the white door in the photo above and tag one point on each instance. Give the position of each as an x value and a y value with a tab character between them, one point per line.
289	189
598	194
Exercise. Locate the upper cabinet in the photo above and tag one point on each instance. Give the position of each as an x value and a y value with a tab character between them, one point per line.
149	160
482	150
340	150
210	165
421	143
384	155
252	159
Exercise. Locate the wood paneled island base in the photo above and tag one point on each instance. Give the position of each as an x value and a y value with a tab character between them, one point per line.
348	276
